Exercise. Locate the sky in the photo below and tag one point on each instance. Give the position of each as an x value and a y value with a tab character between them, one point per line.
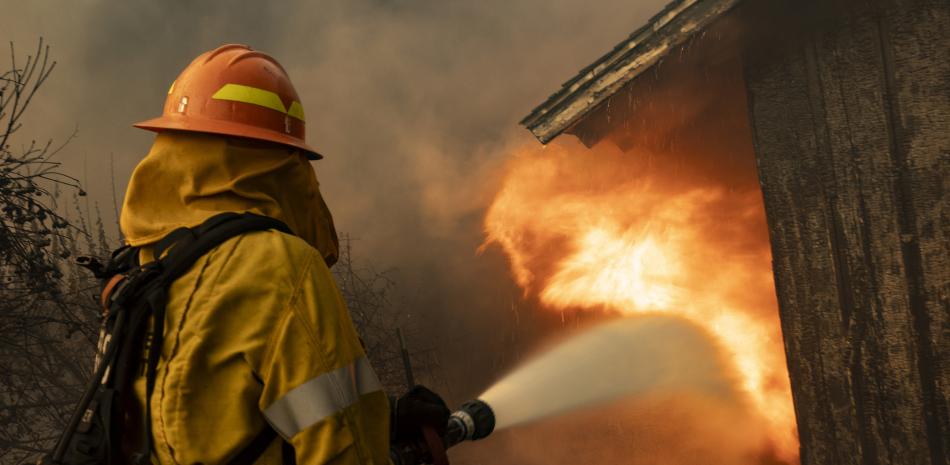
414	103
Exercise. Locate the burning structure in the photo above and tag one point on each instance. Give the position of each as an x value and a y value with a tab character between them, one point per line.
777	174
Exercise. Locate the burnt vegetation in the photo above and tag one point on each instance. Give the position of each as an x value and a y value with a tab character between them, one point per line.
368	295
49	315
47	322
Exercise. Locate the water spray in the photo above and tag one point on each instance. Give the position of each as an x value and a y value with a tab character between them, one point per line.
622	358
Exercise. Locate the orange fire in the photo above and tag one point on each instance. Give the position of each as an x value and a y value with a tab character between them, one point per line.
635	233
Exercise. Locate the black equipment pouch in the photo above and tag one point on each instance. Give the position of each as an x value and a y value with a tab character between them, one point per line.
132	295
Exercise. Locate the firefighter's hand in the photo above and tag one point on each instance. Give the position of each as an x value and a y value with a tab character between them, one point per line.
418	408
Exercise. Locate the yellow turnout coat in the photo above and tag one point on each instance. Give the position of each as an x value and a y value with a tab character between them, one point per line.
256	332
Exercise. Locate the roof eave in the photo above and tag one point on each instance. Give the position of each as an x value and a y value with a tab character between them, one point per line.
669	29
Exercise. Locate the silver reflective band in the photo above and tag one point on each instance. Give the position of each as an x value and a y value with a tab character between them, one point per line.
321	397
467	422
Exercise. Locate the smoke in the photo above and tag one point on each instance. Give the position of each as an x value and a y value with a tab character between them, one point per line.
411	101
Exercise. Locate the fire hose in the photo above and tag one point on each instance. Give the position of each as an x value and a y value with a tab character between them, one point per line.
474	420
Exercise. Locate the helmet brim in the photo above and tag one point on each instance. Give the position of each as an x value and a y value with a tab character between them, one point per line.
227	128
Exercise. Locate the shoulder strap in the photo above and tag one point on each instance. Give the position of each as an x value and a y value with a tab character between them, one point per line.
184	247
132	293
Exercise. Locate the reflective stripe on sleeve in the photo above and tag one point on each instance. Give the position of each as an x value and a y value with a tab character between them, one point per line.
321	397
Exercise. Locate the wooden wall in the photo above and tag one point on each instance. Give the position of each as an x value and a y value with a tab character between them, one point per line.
851	123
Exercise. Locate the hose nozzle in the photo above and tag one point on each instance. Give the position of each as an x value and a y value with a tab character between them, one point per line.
474	420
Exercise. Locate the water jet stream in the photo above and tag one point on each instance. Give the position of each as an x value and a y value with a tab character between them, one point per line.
629	356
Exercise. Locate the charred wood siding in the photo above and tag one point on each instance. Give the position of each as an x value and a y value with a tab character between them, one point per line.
851	129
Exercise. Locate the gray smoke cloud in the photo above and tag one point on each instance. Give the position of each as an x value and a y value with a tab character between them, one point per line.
413	102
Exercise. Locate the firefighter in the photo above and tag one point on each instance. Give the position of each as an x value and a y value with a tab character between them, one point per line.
256	334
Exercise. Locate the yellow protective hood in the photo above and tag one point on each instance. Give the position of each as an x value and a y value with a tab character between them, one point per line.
187	178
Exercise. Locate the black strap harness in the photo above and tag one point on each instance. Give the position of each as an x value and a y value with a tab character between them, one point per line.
134	294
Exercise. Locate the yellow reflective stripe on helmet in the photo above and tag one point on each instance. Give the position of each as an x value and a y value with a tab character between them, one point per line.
296	110
252	95
171	88
321	397
255	96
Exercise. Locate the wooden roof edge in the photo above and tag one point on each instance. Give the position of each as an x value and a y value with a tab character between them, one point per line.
673	26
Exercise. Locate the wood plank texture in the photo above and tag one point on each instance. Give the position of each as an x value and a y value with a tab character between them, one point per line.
851	125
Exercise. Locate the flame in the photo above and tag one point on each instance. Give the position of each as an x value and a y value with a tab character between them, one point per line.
632	234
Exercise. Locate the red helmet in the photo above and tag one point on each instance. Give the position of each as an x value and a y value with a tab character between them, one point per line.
236	91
